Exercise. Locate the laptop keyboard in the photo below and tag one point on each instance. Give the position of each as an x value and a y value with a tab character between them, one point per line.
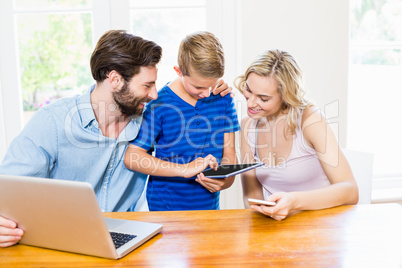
119	239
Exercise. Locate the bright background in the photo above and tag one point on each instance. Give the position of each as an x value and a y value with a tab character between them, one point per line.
350	52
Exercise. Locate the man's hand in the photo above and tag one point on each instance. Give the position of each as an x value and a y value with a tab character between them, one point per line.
9	233
223	89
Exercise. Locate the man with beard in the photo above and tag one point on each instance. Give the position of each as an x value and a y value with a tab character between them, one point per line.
84	138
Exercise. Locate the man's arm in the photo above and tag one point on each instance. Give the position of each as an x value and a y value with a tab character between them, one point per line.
32	153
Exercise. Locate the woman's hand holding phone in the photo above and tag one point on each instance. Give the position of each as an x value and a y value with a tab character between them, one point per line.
252	201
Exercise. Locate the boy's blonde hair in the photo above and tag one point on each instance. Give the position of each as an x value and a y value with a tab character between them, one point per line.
283	67
202	53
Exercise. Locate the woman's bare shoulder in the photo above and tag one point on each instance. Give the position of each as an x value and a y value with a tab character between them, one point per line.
311	116
246	121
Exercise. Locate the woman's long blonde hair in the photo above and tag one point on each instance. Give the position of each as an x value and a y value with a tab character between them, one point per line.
283	67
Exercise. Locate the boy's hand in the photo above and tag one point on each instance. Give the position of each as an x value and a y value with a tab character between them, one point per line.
198	165
223	89
214	185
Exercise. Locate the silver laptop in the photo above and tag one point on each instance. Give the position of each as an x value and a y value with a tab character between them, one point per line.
65	215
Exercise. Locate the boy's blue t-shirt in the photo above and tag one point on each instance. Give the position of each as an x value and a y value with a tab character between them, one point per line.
181	133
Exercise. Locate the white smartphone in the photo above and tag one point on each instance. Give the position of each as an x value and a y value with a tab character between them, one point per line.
252	201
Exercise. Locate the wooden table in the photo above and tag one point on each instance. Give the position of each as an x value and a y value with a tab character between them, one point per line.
348	236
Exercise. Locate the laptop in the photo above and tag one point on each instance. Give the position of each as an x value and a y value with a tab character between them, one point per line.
65	215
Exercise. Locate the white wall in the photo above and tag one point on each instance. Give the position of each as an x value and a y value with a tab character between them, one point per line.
316	33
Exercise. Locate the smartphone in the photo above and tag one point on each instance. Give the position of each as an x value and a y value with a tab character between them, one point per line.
253	201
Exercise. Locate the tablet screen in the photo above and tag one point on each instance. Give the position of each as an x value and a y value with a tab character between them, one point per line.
225	171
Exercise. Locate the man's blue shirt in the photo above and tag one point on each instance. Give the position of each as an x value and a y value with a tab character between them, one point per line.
63	141
181	133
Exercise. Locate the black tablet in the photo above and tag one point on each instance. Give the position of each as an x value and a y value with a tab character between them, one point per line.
225	171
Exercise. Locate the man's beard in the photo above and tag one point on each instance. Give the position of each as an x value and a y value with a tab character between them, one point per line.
128	103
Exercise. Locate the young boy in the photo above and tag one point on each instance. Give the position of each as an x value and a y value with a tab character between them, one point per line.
190	131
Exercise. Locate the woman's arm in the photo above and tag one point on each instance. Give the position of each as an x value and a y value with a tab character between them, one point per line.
138	159
251	186
343	189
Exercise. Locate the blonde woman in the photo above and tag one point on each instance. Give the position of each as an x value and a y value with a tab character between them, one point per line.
305	168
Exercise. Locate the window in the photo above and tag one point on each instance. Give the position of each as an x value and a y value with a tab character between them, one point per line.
375	84
57	37
48	43
162	22
3	146
54	40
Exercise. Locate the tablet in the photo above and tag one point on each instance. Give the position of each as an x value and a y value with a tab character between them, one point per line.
225	171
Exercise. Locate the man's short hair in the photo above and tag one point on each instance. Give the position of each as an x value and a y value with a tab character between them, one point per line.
123	52
202	53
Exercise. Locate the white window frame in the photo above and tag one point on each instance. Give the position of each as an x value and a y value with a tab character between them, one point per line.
385	187
107	14
11	105
3	146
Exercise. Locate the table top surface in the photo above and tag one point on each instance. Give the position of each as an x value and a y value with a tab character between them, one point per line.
346	236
